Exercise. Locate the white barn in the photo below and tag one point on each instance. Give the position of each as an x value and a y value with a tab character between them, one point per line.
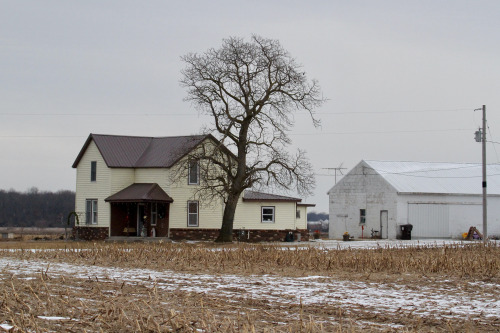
440	200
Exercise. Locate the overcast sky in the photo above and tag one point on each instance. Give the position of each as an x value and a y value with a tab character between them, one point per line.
402	78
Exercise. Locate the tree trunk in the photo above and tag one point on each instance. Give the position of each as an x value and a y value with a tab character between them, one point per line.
226	231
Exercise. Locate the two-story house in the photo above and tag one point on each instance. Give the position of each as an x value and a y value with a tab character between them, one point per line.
125	186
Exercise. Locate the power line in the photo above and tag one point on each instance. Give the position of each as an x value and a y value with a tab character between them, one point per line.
198	114
471	165
393	111
42	136
98	114
389	132
494	147
421	176
291	134
410	173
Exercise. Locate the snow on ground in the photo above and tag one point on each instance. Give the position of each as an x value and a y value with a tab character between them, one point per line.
54	318
439	300
375	243
6	327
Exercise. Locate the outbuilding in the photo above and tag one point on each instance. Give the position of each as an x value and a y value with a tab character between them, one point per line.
439	200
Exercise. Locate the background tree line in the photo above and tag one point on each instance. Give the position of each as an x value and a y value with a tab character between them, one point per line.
35	209
317	221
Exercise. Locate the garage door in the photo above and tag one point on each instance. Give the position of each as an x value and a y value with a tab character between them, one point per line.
429	220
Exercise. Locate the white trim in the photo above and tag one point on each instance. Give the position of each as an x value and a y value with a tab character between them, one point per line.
196	214
93	171
91	214
362	218
272	214
197	163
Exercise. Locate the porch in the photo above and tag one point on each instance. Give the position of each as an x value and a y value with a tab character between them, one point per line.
139	211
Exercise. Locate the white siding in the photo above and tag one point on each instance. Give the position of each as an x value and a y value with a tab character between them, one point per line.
301	222
210	213
100	189
153	175
121	178
361	188
248	215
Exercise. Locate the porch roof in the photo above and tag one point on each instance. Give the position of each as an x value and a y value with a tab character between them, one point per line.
140	192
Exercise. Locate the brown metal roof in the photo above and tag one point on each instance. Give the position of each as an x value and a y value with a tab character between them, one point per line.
259	196
140	192
164	152
121	151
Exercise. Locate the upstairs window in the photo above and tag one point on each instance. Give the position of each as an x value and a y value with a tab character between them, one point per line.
194	173
362	216
267	214
297	214
91	211
93	171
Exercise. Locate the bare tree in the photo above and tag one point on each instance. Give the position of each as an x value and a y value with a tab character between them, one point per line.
251	89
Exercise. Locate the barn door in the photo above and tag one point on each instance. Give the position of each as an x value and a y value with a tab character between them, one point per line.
429	220
384	223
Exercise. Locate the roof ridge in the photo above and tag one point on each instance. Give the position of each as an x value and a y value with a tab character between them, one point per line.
180	136
149	137
152	187
144	152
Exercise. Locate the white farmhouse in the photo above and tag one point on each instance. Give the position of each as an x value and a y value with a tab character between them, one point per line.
125	187
440	200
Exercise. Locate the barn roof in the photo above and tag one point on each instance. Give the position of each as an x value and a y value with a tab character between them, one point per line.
437	178
119	151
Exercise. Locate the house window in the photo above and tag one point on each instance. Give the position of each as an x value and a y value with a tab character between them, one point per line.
154	213
267	214
297	214
194	173
192	213
362	216
91	211
93	171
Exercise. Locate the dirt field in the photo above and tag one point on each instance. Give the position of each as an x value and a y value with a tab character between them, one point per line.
76	287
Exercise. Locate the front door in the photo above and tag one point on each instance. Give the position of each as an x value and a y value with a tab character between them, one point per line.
384	223
141	217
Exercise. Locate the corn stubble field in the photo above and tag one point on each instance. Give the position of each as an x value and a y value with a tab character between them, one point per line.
203	287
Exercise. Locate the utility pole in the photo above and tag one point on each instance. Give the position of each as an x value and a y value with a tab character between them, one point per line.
485	218
481	137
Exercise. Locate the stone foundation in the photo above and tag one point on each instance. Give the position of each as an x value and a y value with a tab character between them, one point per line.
90	233
242	235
